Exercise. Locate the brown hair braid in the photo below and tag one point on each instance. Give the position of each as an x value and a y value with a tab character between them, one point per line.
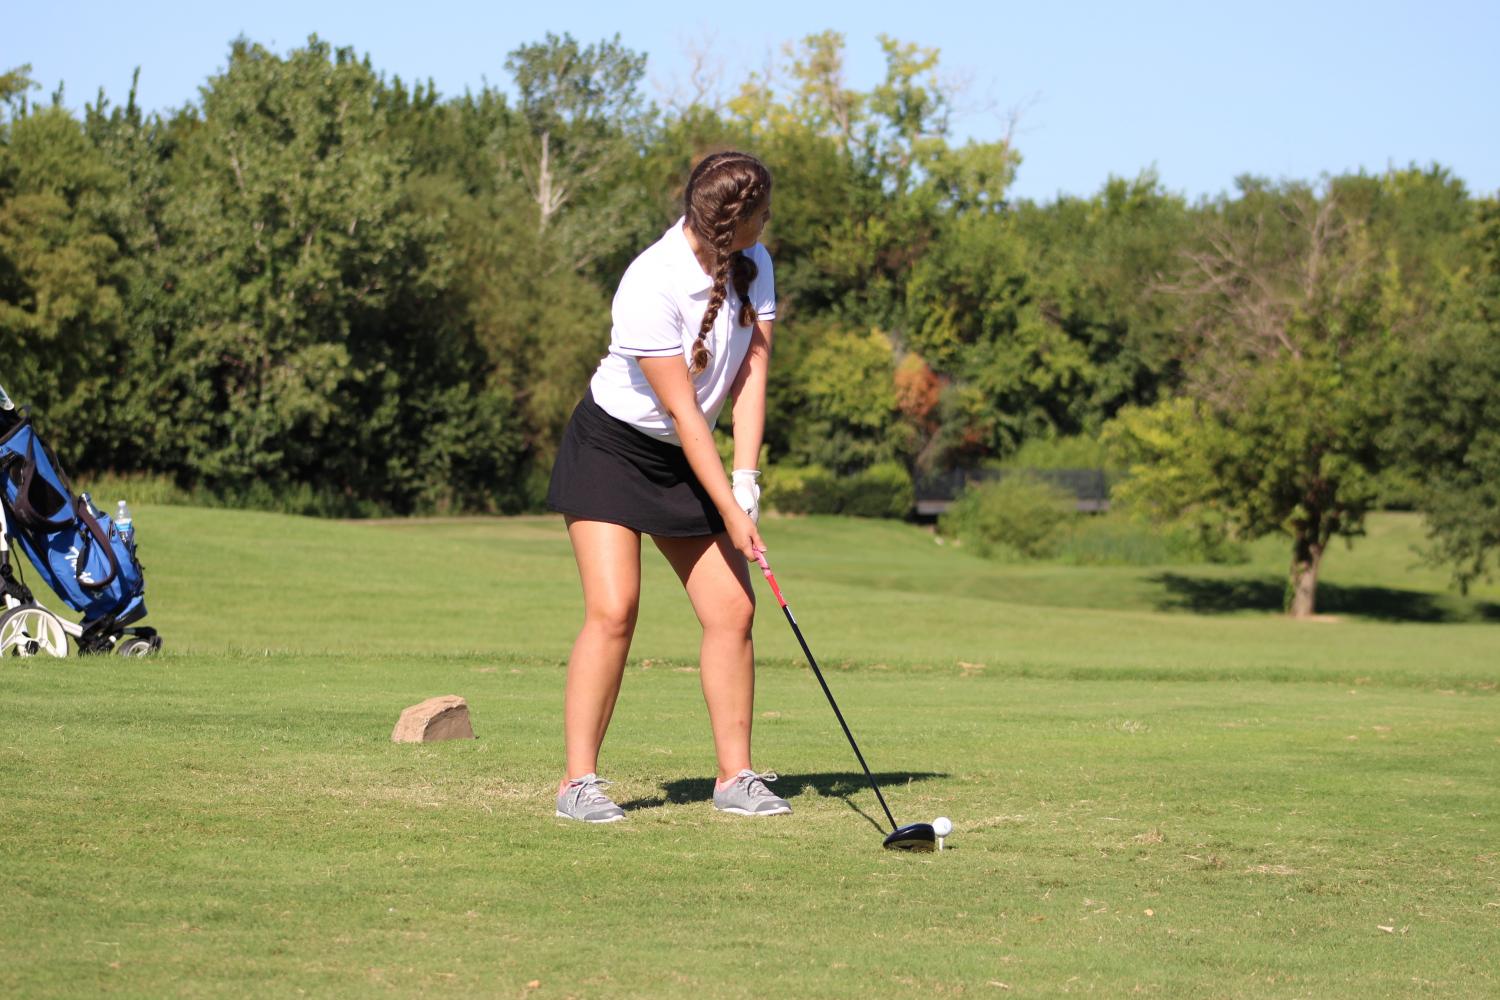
724	190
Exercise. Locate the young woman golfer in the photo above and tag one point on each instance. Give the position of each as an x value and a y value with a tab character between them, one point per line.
692	329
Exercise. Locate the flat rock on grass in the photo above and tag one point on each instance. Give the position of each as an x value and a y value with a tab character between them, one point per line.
445	717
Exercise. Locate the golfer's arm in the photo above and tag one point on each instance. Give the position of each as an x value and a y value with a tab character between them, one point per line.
749	393
668	378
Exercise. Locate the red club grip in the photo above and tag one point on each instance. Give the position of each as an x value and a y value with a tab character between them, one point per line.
765	568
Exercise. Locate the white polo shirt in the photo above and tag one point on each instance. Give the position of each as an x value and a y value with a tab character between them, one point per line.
657	311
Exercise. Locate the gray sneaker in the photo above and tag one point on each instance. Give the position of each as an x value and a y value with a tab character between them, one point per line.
747	795
584	800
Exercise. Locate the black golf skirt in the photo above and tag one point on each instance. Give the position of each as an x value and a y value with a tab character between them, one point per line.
606	470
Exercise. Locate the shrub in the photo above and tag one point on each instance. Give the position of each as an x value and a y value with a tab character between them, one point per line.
808	489
1019	512
1076	452
882	490
1204	537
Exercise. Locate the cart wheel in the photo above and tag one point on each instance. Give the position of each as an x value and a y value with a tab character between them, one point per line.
31	630
136	645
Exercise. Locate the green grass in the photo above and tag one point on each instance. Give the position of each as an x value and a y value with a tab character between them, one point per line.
1146	798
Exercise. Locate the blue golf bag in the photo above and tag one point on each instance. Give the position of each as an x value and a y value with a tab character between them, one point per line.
87	560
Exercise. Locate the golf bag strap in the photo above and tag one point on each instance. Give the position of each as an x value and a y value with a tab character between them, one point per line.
93	535
25	512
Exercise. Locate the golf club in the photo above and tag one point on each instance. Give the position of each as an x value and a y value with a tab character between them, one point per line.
916	836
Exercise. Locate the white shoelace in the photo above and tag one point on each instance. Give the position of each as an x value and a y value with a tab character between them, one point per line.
589	790
755	784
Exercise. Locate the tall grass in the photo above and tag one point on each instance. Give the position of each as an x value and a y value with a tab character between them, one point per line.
1022	518
106	488
300	499
1119	538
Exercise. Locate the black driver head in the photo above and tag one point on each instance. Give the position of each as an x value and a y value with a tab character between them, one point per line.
916	837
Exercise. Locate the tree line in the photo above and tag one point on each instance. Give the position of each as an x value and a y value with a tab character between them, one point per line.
317	288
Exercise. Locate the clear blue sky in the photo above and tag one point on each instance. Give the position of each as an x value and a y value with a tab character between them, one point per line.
1201	91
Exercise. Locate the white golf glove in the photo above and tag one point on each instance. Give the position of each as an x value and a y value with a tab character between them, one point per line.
747	492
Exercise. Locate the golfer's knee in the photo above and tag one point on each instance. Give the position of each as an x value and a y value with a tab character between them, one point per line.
615	620
735	617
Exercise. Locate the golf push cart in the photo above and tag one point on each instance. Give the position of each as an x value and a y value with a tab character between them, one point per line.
84	555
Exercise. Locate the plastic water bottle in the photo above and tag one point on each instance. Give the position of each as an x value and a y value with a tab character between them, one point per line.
123	523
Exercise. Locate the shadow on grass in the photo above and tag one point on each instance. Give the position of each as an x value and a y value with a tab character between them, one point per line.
839	785
1206	595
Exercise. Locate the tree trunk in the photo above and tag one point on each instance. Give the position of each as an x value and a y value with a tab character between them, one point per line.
1302	592
546	198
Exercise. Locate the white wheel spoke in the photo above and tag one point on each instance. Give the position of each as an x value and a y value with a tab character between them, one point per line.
29	631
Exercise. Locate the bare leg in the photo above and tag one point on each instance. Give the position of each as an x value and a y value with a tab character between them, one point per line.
609	564
718	584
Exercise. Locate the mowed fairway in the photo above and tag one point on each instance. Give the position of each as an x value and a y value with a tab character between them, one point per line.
1157	785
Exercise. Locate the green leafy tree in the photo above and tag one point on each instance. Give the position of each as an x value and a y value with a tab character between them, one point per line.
973	178
15	84
971	315
540	323
63	271
318	284
1420	219
316	343
911	111
583	124
1287	361
139	147
846	417
865	208
1448	421
1096	266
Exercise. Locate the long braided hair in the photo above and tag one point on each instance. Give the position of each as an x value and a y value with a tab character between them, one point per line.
724	190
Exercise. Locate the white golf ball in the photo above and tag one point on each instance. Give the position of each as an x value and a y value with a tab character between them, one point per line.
942	826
